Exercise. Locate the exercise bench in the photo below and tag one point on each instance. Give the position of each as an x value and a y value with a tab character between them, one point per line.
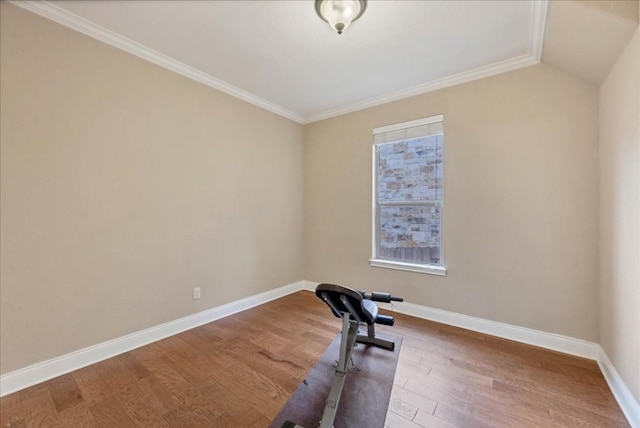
355	308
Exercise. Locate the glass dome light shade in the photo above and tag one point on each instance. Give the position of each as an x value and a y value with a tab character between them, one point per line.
340	13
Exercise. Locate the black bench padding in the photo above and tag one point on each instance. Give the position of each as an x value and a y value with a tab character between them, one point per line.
366	310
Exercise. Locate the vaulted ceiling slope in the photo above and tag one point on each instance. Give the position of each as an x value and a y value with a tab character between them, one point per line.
584	37
279	55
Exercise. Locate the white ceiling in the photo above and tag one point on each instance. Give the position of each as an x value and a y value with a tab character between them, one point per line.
281	56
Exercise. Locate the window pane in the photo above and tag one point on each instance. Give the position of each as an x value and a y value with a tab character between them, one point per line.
410	170
408	193
410	233
438	162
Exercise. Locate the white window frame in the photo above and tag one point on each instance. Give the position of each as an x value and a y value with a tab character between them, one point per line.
392	264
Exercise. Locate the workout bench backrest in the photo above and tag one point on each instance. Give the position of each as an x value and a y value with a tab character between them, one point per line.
342	299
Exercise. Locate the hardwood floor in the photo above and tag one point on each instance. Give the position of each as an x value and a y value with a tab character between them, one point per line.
239	371
450	377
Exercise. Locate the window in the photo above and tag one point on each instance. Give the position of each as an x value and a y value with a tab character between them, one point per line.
408	195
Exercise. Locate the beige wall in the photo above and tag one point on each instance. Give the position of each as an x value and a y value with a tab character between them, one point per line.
521	201
124	186
620	215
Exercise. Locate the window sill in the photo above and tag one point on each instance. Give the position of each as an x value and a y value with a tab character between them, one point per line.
432	270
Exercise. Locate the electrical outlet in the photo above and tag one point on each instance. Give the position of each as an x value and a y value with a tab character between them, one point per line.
196	293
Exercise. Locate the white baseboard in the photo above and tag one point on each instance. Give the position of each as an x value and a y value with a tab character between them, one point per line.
556	342
45	370
630	407
309	285
40	372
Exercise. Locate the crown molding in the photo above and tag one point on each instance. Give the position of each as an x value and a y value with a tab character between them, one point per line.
84	26
61	16
539	11
456	79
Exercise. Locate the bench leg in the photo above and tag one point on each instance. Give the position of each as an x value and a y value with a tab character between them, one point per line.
371	339
347	342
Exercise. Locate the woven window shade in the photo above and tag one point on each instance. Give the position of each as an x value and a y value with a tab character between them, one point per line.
390	134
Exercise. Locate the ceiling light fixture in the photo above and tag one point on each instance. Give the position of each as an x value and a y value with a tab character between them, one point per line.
340	13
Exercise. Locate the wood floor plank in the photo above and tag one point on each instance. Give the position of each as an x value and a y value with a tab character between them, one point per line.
237	411
200	340
251	386
562	412
64	392
402	408
109	413
160	397
11	412
419	401
395	420
139	409
462	417
400	380
119	381
278	368
190	400
39	410
93	389
240	370
78	416
427	420
132	365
